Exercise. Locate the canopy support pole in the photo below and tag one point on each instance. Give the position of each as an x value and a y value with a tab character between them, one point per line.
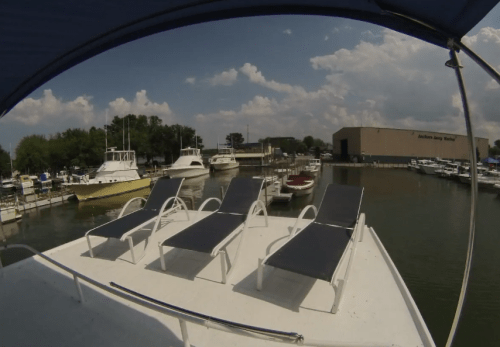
479	61
455	64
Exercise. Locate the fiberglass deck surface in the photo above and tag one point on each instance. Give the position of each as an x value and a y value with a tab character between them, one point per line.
38	303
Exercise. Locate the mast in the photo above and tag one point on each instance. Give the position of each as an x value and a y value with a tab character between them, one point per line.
195	141
10	155
247	134
129	134
106	131
123	132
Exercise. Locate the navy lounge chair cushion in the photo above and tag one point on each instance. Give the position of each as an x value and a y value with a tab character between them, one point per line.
162	190
340	205
315	251
204	235
241	194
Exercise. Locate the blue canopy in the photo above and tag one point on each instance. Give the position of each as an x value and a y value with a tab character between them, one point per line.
490	160
41	39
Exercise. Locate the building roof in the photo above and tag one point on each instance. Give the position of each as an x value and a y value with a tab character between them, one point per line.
396	129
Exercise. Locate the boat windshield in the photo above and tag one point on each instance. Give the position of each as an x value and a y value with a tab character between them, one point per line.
189	151
119	156
225	150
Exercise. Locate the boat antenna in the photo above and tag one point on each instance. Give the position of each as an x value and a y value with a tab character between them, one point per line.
106	131
195	141
129	134
180	135
10	155
123	132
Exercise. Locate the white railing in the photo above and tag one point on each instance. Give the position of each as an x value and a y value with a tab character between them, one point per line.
192	317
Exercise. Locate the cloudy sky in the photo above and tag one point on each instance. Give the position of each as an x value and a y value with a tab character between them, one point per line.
281	75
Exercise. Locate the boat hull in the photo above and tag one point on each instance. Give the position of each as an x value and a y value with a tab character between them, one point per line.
225	166
101	190
428	170
187	172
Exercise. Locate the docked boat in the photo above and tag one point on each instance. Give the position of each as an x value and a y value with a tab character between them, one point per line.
9	213
315	162
224	159
189	165
413	165
117	175
311	170
450	170
432	167
7	186
299	185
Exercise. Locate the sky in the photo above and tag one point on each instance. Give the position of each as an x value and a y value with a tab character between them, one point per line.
280	75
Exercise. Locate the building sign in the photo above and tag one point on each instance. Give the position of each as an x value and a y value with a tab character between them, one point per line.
440	138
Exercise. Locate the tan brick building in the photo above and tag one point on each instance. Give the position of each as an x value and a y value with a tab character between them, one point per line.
387	145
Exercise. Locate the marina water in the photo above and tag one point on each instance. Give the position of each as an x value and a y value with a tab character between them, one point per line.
422	221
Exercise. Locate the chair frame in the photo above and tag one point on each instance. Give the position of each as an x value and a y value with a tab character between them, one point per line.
220	249
178	204
340	284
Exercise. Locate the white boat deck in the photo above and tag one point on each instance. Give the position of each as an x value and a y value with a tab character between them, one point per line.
39	303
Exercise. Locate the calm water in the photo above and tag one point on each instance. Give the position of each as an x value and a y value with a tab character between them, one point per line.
422	221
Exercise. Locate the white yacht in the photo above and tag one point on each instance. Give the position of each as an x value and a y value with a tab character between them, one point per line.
449	170
189	164
431	167
224	159
117	175
315	162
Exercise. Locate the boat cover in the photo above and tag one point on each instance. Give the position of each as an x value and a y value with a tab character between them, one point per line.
162	190
204	235
41	39
317	249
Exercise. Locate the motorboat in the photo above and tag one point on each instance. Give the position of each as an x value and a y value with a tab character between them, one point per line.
311	170
224	159
189	165
432	167
412	165
117	175
448	171
299	185
7	186
315	162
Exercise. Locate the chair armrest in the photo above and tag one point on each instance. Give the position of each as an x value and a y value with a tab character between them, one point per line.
203	205
128	203
301	216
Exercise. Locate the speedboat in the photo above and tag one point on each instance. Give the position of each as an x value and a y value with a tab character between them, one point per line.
224	159
189	165
299	185
310	170
412	165
315	162
433	167
449	170
117	175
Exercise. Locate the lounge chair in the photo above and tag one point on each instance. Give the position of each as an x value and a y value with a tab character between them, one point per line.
319	248
213	233
162	200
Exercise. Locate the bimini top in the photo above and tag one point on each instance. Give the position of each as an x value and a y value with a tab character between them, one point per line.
40	39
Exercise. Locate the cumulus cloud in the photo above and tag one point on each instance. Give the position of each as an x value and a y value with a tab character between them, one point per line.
190	80
394	81
287	31
226	78
31	111
141	105
326	37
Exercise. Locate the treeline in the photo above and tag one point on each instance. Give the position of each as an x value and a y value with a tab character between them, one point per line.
85	148
495	150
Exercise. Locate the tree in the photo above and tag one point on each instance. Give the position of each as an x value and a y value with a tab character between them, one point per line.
32	154
4	163
497	143
308	141
235	139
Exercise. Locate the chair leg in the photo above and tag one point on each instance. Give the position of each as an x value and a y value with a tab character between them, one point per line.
260	273
339	288
223	266
90	246
131	245
162	258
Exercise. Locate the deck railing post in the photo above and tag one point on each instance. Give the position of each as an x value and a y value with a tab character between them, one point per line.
223	266
184	332
79	289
